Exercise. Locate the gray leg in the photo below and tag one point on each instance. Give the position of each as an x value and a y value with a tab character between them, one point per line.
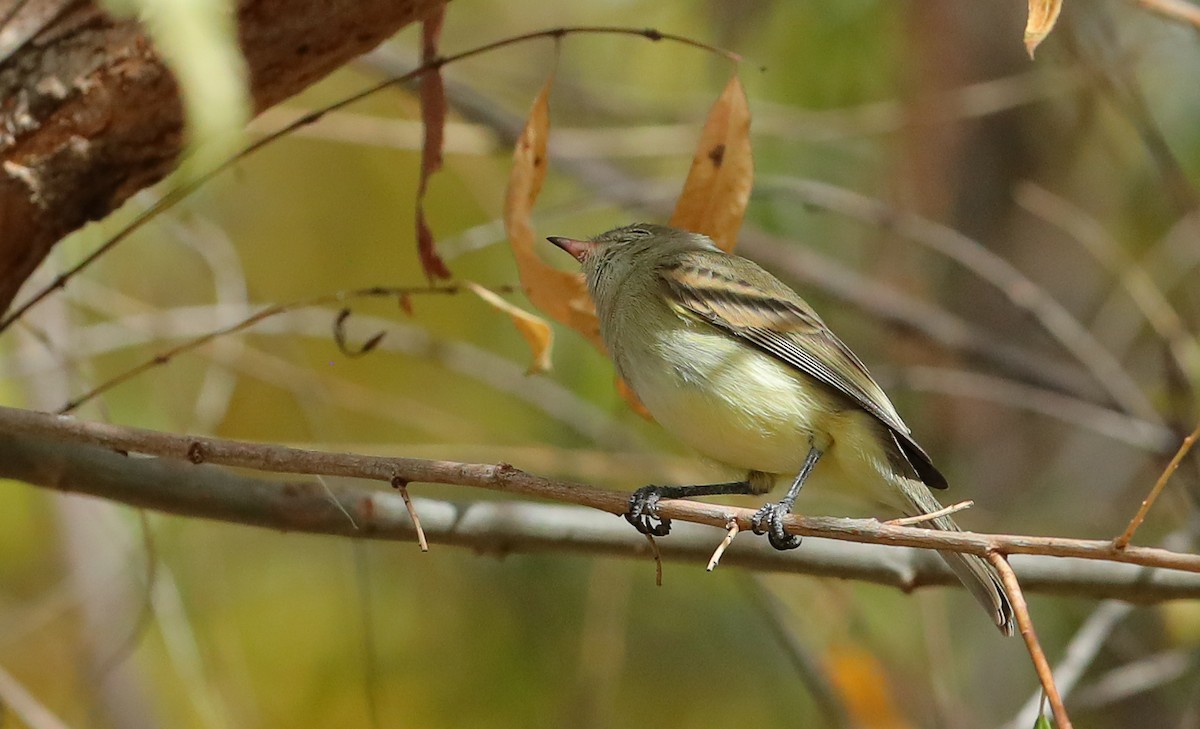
643	504
769	519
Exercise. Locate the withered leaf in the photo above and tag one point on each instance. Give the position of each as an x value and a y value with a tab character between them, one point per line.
433	119
534	329
717	189
1043	14
559	294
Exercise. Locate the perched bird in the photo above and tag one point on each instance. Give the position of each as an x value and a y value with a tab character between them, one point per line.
737	365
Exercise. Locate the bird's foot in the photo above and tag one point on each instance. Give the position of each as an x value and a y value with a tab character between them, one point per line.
643	512
769	520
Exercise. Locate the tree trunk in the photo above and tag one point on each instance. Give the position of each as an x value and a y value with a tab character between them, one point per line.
89	114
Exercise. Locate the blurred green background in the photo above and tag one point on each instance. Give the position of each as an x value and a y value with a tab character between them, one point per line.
930	105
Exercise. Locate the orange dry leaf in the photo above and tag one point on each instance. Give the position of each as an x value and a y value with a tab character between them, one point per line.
717	189
1043	14
561	295
863	686
536	331
631	398
433	118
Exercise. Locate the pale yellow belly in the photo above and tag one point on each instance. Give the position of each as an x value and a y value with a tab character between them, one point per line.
733	404
748	410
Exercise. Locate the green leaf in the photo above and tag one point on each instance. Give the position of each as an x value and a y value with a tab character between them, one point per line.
1043	722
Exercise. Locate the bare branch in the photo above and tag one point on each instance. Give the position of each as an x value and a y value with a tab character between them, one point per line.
1079	654
501	527
1025	626
1121	541
506	478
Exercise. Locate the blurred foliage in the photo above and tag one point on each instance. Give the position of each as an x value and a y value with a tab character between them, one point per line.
198	40
256	629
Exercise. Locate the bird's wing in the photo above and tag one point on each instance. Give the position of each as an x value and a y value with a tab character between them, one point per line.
765	313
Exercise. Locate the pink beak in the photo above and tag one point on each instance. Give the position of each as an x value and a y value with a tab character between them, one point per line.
580	249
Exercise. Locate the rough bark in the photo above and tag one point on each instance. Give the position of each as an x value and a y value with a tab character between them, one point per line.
89	114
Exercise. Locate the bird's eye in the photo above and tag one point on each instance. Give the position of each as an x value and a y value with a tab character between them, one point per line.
635	233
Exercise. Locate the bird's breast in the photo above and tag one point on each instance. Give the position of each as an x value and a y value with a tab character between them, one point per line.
724	398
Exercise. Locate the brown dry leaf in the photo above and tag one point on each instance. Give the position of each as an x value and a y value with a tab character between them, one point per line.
632	399
536	331
433	118
1043	14
859	678
561	295
717	189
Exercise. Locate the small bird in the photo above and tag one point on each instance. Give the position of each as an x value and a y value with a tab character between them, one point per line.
734	363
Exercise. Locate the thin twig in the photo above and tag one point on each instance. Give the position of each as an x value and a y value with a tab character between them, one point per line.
1077	657
1122	541
190	185
1025	626
266	312
657	559
720	550
594	423
922	518
402	486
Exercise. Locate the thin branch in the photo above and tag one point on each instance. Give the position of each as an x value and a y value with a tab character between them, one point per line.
503	527
504	477
402	486
1025	626
164	357
1079	654
922	518
1122	541
186	188
730	534
657	555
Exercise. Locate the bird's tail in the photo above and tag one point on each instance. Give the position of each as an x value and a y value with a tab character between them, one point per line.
976	574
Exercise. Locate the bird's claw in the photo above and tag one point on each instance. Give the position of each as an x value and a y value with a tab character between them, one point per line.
643	512
769	520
